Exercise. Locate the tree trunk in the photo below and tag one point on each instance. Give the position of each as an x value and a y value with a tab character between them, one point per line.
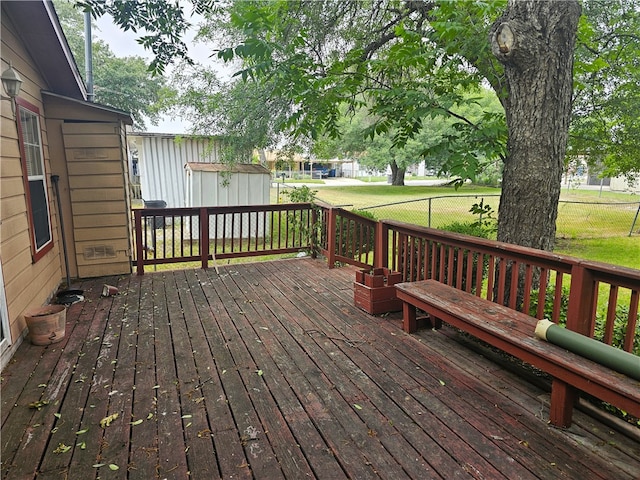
535	40
397	174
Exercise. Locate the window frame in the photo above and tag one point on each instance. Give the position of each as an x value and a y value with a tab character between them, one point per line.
36	252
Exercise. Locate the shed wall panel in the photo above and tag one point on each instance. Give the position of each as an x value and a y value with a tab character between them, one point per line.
97	173
162	159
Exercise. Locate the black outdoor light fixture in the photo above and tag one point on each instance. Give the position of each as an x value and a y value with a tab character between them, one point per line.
11	83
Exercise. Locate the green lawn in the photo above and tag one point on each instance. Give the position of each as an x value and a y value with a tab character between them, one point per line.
623	251
576	221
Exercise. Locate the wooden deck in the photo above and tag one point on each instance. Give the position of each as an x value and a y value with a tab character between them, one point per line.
267	370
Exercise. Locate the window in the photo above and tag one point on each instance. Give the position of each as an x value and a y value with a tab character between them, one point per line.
35	180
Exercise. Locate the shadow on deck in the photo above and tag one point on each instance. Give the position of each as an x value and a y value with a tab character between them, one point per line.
267	370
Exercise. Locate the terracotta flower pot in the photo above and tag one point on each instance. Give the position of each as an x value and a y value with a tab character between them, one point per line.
46	324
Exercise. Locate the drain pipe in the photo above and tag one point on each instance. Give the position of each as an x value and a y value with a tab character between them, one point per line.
88	56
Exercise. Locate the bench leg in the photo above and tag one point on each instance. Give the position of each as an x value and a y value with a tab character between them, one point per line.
409	323
563	398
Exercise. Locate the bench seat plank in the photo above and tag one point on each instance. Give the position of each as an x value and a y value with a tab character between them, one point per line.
513	332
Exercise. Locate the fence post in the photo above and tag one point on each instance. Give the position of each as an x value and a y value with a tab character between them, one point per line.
635	219
137	215
204	237
583	297
429	210
331	236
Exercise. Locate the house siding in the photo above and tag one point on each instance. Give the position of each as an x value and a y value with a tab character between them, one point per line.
26	283
102	206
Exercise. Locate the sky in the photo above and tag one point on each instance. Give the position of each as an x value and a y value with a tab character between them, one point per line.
124	44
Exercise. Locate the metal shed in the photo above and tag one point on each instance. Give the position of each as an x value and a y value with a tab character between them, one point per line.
161	159
216	184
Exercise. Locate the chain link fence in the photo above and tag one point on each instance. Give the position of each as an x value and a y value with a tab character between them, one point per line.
575	219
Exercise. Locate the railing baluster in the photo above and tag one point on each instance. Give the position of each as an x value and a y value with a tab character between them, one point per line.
632	322
611	314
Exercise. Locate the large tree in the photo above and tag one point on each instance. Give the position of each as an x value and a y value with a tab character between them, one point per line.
416	60
535	41
409	61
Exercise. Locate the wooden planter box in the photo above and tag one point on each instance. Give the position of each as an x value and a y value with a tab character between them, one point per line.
374	291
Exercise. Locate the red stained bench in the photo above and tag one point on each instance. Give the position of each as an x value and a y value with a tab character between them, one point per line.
513	332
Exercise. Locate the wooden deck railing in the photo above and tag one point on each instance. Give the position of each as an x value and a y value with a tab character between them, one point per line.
345	236
598	300
175	235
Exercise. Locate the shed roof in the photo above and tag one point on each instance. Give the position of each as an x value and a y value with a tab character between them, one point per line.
221	167
124	116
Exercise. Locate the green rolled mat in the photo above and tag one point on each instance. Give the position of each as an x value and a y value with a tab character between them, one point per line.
614	358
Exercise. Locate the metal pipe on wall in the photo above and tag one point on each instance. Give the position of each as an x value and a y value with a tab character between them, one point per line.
88	56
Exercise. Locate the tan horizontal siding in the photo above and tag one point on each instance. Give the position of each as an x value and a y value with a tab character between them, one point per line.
98	208
92	195
99	234
26	283
96	168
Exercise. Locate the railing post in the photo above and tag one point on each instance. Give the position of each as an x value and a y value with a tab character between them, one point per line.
331	237
381	247
582	301
137	215
314	231
204	237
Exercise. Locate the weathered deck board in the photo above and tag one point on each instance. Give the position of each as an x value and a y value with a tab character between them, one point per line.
267	370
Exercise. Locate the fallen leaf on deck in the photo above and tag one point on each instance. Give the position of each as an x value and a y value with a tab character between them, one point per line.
137	422
357	406
106	421
62	448
38	405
